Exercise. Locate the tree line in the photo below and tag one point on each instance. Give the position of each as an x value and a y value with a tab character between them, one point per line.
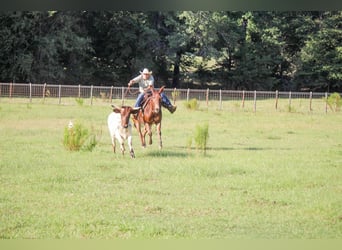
251	50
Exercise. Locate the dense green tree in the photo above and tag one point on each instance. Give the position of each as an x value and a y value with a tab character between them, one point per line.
263	50
321	56
43	47
16	43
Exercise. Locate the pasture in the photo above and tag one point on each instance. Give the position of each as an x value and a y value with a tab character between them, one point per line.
265	175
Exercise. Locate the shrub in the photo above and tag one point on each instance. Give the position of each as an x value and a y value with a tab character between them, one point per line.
79	101
291	109
334	102
91	143
77	137
192	104
200	137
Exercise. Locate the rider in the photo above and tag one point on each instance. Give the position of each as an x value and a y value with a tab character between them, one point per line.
145	79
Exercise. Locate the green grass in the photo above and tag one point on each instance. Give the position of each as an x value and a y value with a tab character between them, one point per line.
271	175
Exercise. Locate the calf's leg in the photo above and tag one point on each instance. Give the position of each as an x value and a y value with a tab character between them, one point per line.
131	150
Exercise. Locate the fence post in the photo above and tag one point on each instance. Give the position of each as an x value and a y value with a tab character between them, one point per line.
44	88
243	99
59	93
30	92
326	102
207	97
11	89
220	99
79	90
255	101
174	96
91	95
276	101
310	100
290	94
111	94
122	94
187	95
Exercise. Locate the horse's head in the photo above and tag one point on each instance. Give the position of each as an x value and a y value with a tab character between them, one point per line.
156	99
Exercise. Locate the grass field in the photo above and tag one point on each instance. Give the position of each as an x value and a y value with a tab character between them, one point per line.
270	175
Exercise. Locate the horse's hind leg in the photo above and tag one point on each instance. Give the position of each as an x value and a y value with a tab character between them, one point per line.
142	137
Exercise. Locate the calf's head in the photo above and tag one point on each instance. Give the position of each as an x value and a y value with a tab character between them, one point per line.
125	112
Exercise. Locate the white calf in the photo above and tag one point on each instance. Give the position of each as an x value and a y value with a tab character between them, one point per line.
120	127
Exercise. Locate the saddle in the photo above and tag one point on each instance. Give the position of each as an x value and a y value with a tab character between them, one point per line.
147	96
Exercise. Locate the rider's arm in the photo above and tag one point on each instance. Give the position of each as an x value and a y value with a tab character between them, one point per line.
135	80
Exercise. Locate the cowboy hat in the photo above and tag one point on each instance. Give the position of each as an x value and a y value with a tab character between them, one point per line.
146	71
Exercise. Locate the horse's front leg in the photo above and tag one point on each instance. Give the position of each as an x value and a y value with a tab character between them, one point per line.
149	132
159	135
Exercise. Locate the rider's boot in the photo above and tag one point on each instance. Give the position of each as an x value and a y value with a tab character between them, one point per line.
171	108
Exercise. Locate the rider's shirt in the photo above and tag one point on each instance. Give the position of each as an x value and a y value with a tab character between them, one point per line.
143	84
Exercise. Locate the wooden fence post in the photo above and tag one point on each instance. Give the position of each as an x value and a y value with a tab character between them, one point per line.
276	100
290	95
122	95
11	90
255	101
79	90
326	102
207	97
187	95
59	93
91	95
44	89
174	95
220	99
243	99
111	94
30	92
310	101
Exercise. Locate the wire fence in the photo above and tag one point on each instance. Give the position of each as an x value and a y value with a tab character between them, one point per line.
219	99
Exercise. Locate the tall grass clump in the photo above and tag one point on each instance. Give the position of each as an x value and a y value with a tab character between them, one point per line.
77	137
192	104
79	101
334	102
200	137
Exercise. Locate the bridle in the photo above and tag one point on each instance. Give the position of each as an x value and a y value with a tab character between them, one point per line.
152	99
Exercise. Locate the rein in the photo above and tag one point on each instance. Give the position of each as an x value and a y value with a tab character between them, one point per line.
128	90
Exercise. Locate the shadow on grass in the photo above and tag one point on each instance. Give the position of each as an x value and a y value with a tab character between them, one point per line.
245	148
165	153
237	148
186	152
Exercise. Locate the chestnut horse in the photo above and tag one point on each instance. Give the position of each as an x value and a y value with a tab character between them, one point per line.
149	114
